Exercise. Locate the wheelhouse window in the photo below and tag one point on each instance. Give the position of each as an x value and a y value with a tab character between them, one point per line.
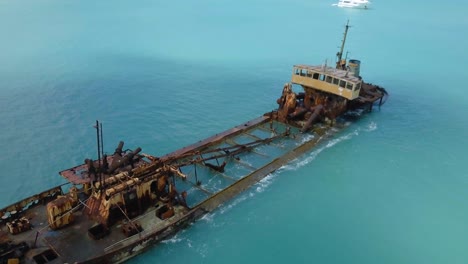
322	77
357	87
329	79
349	86
316	76
336	81
342	83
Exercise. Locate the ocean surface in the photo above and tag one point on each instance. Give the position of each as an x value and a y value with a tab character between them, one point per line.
391	188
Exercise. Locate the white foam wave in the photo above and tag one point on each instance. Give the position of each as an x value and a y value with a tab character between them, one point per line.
177	238
335	141
208	217
305	138
173	240
235	202
371	127
264	183
301	162
258	188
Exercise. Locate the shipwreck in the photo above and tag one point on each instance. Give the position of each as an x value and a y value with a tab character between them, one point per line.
115	206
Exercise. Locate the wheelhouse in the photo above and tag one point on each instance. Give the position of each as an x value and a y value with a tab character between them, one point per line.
327	79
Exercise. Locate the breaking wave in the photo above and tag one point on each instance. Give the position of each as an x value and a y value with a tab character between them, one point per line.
251	192
236	201
265	182
302	161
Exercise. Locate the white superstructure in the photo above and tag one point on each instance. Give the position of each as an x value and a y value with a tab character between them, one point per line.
353	3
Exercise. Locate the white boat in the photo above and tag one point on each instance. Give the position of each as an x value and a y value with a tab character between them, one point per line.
353	3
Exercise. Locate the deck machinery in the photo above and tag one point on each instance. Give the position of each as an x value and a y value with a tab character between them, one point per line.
328	92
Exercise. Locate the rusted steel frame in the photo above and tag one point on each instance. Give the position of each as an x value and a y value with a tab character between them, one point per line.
368	100
245	164
250	135
177	173
217	138
271	130
239	148
148	173
233	142
198	186
207	205
222	174
156	235
244	183
201	188
271	143
229	154
194	184
225	176
315	110
137	180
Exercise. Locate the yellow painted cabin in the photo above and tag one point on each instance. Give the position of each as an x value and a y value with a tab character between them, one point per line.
327	79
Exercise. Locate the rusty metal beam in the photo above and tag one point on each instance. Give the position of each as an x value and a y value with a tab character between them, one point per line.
231	141
216	138
229	151
244	183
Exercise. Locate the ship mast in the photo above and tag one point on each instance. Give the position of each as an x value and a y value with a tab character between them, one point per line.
339	55
100	151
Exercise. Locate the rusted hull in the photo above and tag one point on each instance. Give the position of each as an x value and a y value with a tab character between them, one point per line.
92	235
121	254
136	244
127	251
127	248
40	198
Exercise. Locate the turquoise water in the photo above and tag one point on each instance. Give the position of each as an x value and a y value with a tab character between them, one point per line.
391	188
